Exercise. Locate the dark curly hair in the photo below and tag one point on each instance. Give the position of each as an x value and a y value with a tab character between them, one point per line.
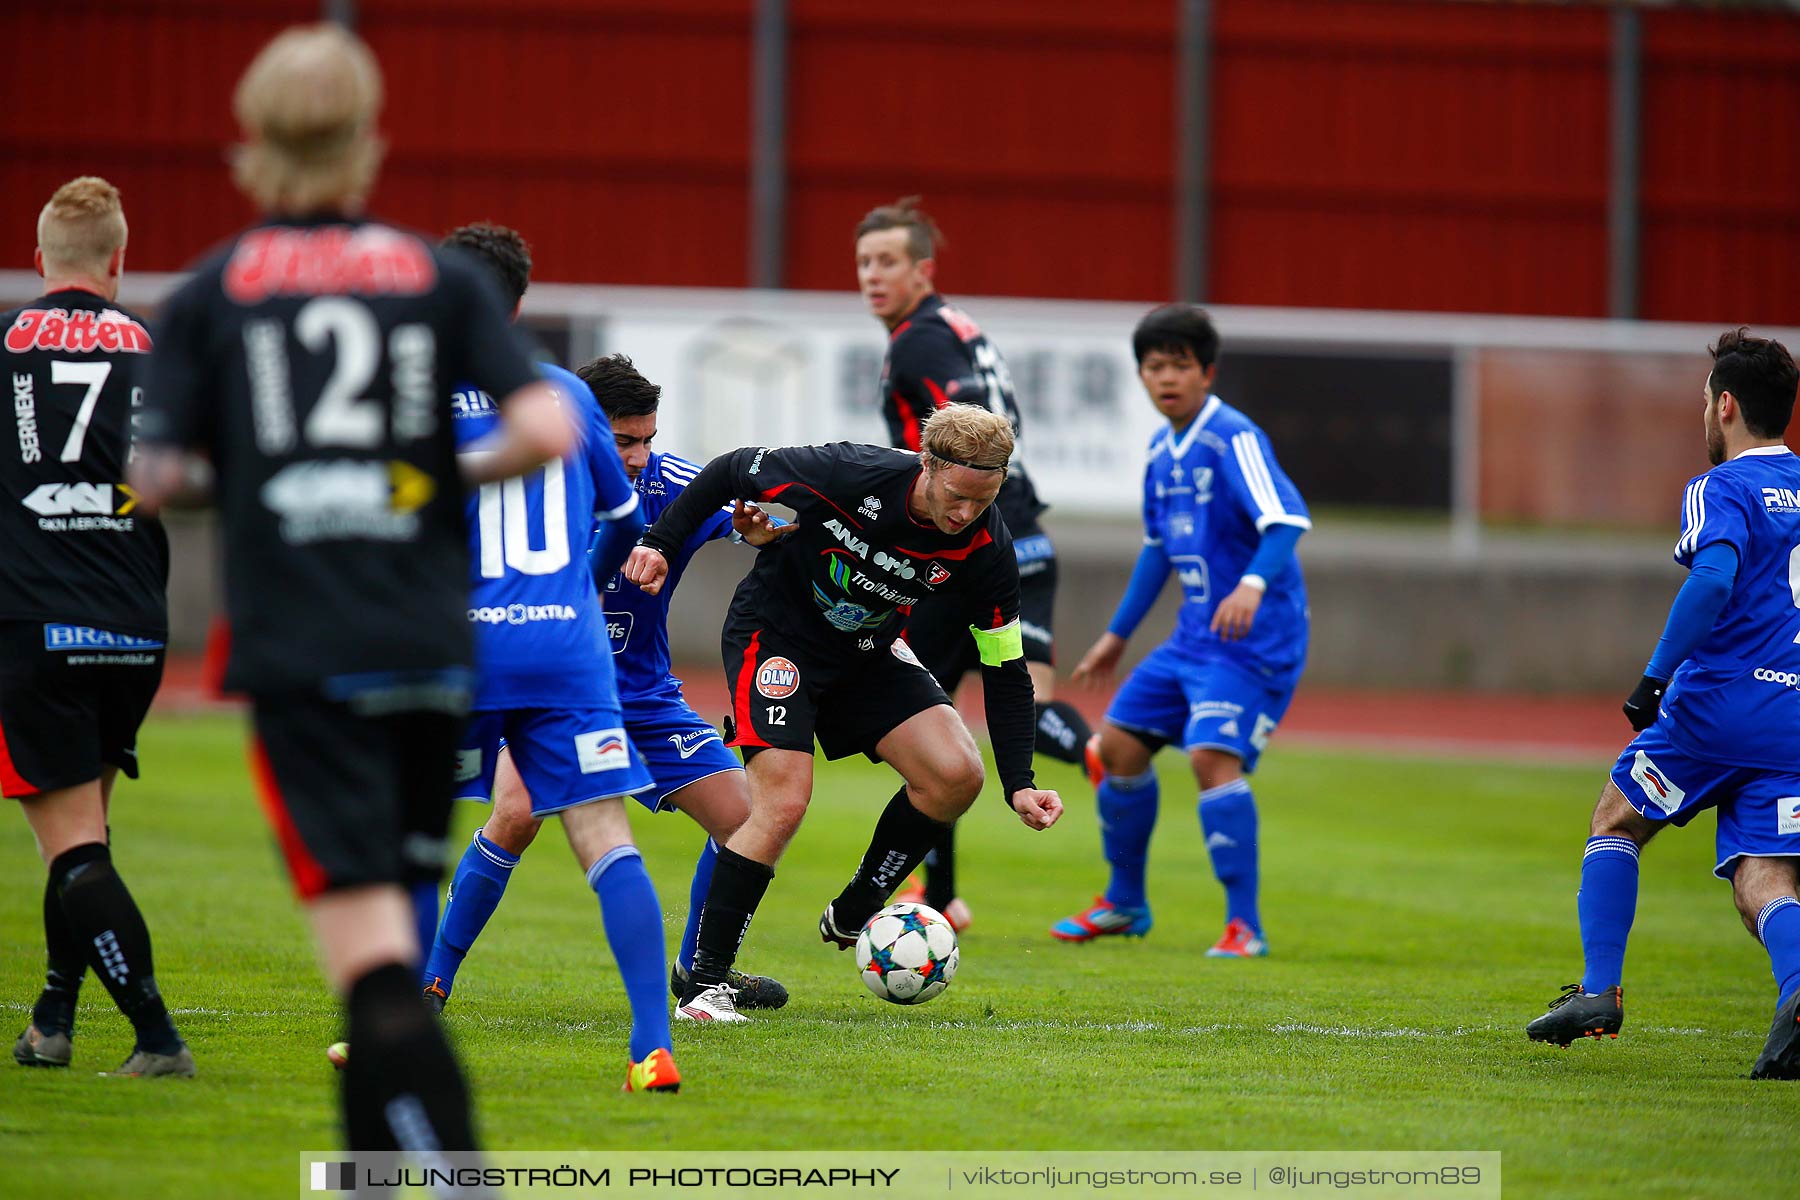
622	392
503	250
1761	374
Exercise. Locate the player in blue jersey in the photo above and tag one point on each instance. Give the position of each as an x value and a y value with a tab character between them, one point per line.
1222	516
1717	711
694	771
545	684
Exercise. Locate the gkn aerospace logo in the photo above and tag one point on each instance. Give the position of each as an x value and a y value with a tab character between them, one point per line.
336	499
75	506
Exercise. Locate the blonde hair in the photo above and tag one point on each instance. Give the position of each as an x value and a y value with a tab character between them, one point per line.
82	225
965	436
307	106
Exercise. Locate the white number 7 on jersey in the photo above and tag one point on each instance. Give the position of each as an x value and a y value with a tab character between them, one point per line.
94	375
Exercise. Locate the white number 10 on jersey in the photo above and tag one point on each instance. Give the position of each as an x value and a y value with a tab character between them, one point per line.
501	526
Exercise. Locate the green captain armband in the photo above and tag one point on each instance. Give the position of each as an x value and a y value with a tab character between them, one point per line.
999	646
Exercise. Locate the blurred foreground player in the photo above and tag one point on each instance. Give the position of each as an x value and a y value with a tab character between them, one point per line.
311	359
937	355
82	619
1220	514
1718	709
811	647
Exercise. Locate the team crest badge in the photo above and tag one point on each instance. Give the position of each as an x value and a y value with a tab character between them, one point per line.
904	653
936	575
846	616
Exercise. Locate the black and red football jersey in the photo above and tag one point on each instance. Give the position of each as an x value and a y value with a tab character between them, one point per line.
939	356
74	548
314	361
844	581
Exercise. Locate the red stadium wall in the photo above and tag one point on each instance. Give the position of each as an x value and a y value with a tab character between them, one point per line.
1404	155
1038	133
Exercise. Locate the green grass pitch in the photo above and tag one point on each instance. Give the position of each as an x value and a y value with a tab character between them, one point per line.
1419	913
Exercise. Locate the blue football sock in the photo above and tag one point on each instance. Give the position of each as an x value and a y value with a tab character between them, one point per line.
703	873
1228	819
1778	928
425	915
1606	904
634	931
475	892
1127	818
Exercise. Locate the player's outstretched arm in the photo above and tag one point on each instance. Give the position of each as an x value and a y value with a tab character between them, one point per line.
721	481
535	427
1147	578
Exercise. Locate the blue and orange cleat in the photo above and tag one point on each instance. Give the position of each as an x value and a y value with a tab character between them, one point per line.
1238	941
1102	919
655	1074
435	995
1090	758
1577	1014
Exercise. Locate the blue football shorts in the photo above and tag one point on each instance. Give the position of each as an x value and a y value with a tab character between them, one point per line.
1759	809
566	758
1202	700
678	745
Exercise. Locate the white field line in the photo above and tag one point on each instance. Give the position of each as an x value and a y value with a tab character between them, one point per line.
1345	1032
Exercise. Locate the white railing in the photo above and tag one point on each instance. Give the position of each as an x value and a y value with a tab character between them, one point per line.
744	367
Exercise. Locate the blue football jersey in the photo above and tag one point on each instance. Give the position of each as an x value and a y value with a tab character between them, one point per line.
540	636
637	624
1737	698
1209	493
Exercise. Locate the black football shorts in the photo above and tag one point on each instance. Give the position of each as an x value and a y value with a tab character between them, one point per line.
354	799
71	700
783	693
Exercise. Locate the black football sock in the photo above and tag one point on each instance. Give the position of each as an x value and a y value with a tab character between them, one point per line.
902	836
1062	732
55	1008
738	884
105	922
402	1089
940	868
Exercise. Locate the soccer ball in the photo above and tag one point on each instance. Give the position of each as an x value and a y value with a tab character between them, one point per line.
907	953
